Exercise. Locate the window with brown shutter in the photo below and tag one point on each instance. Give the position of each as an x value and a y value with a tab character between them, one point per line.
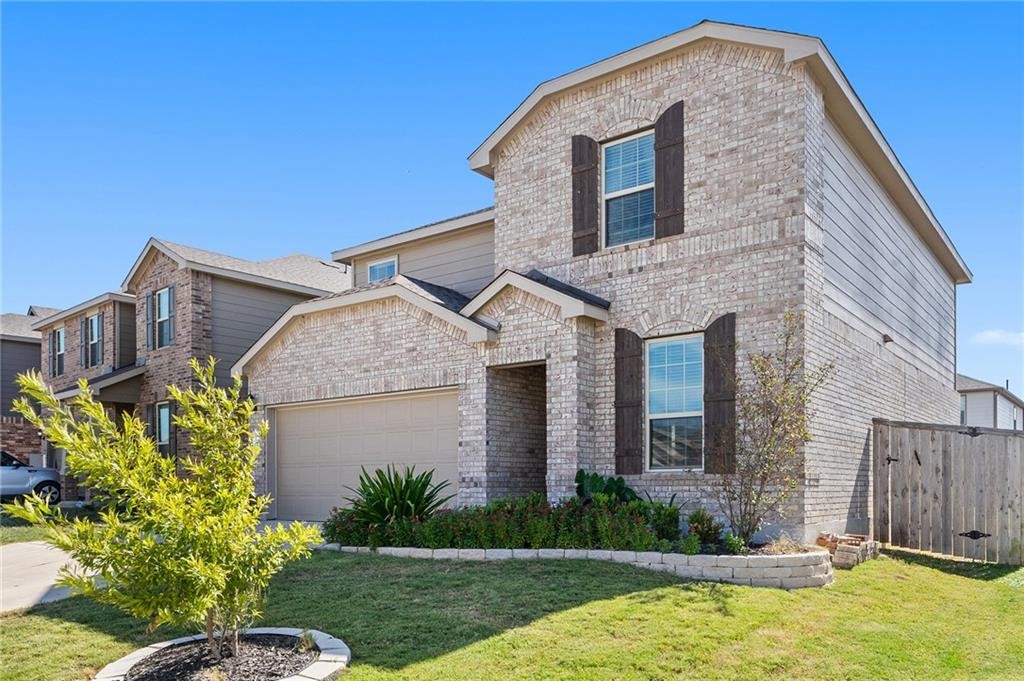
629	395
585	207
669	174
720	395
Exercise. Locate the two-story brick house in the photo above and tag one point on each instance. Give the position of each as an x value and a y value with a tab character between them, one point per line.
653	211
19	352
177	302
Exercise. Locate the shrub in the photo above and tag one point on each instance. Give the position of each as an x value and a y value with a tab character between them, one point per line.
690	545
665	519
702	524
178	541
388	495
345	528
734	544
589	484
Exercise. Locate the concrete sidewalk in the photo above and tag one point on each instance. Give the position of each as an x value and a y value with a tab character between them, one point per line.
28	571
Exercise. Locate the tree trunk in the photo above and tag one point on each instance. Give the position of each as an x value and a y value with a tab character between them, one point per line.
211	637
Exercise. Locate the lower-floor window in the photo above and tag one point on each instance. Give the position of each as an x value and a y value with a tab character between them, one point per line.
163	427
675	403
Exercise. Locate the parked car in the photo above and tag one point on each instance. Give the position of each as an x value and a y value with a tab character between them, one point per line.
18	479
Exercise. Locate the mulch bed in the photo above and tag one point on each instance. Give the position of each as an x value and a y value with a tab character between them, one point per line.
262	657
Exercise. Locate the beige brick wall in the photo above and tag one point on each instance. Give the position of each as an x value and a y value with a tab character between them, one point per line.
517	430
72	326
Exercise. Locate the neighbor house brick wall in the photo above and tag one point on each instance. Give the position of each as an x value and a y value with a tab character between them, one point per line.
19	438
72	326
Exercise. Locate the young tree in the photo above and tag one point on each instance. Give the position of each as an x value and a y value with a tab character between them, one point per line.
772	426
178	540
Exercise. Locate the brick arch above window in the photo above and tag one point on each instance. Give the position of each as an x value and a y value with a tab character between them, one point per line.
627	115
672	318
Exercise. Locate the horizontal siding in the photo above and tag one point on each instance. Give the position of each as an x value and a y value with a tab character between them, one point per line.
241	314
463	261
877	268
979	409
15	358
1004	413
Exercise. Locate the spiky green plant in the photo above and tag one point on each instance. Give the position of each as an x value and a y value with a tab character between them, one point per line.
388	495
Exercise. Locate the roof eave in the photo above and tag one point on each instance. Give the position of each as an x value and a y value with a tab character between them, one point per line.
472	220
114	296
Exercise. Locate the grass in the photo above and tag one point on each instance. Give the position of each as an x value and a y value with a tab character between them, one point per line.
902	616
14	530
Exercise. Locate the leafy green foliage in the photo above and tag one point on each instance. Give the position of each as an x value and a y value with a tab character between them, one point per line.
772	426
388	495
733	544
178	540
690	545
703	525
589	484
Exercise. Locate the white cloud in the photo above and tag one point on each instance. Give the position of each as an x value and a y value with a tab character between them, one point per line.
998	337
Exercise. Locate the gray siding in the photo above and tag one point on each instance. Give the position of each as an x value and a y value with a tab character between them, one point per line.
241	314
463	261
15	358
125	335
878	270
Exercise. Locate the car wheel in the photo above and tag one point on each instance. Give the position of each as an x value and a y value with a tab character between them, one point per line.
49	491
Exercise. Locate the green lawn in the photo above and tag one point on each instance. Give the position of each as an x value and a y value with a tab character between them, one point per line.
900	617
13	530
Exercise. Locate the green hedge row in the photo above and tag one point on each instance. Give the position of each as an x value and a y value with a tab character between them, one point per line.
529	522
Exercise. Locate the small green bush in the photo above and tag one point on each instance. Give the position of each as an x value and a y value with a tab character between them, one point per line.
702	524
590	484
388	495
690	545
733	544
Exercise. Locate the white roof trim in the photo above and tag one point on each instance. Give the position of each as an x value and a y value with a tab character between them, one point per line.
475	332
840	99
436	229
82	307
20	339
100	382
570	305
268	282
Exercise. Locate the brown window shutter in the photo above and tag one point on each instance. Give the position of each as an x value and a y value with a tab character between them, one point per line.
172	431
149	321
720	395
83	342
99	344
170	313
585	202
669	174
149	421
52	358
629	399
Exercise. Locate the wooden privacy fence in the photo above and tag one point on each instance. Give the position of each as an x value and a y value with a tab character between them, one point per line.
955	490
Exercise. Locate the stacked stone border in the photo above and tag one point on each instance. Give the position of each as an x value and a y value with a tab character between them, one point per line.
333	658
785	571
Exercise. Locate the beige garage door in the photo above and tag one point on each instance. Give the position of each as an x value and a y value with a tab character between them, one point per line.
321	448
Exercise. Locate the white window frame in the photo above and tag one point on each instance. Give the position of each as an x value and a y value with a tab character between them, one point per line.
622	192
382	261
93	340
162	444
648	342
165	318
59	351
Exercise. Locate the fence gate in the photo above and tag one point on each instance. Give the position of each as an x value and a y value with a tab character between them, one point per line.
955	490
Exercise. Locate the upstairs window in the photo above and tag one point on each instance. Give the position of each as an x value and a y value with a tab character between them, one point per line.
163	317
57	352
675	403
963	410
163	427
627	189
382	269
94	344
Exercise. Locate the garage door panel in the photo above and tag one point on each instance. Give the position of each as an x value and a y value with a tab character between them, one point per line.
321	449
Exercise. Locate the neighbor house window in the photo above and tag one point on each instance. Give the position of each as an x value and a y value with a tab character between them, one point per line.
382	269
675	403
628	189
57	358
1016	417
163	426
163	317
963	410
94	353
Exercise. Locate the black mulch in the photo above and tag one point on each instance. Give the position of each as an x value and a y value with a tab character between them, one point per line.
262	657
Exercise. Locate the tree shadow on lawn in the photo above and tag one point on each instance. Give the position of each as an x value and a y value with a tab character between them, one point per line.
393	612
961	568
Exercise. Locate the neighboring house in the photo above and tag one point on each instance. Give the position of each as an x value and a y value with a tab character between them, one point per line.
656	215
177	302
988	405
19	352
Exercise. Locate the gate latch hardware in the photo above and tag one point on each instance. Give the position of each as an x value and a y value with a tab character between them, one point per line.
974	534
889	459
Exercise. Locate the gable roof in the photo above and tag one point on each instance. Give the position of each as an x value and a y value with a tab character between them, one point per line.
18	327
297	272
453	224
82	307
966	384
573	302
840	99
435	299
40	311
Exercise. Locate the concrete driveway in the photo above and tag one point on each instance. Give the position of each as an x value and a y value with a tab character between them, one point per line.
27	573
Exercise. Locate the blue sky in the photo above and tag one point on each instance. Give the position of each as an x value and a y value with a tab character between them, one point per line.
263	129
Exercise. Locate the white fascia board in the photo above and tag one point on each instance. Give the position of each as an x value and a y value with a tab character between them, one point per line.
436	229
153	242
82	307
475	332
570	306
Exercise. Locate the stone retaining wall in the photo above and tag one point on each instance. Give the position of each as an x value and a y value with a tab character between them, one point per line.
787	571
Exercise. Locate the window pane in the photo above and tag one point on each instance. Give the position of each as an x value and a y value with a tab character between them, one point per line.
677	442
162	304
60	364
629	164
163	427
382	270
94	328
675	370
163	333
630	218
